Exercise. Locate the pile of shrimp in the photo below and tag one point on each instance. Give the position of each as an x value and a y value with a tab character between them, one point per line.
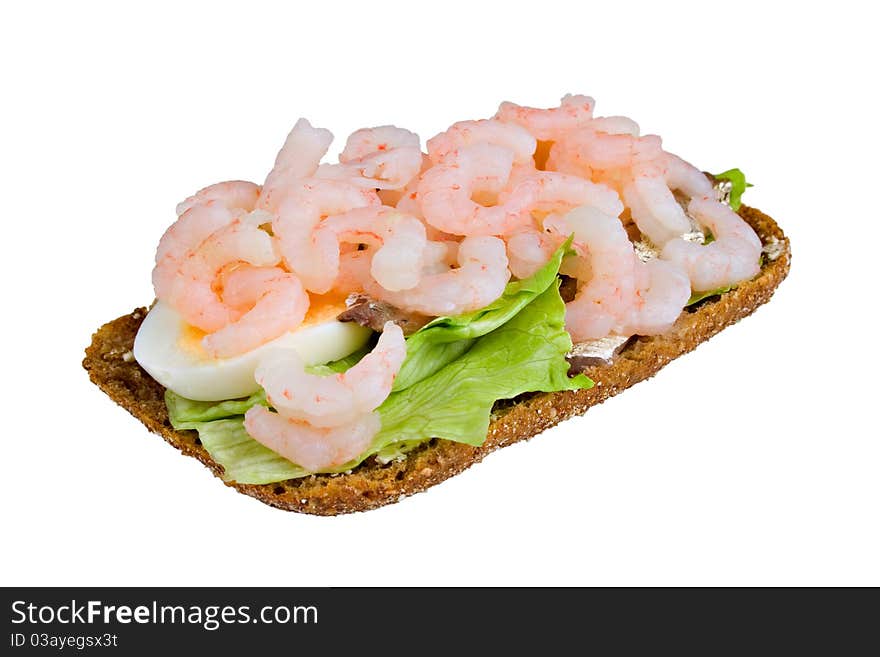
441	233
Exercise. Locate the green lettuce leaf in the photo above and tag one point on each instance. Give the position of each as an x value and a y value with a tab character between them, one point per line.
699	296
738	180
187	414
446	338
526	354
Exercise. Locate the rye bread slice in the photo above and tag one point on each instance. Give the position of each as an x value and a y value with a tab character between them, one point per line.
371	485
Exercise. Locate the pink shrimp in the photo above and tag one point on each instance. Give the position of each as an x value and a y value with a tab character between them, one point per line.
529	250
655	210
591	153
558	192
407	199
310	447
653	205
636	167
549	124
662	290
401	239
337	399
354	271
446	193
298	158
271	302
479	279
191	229
615	125
190	287
607	295
485	131
686	178
618	293
234	194
554	192
518	174
314	255
386	157
355	267
369	141
440	255
733	256
388	171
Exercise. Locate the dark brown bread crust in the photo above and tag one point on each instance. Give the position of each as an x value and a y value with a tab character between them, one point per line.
371	485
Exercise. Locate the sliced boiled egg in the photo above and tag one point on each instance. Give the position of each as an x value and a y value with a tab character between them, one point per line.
171	351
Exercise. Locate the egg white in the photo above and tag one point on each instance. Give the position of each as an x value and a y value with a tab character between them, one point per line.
170	350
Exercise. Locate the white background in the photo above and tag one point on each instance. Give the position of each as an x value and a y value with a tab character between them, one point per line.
753	460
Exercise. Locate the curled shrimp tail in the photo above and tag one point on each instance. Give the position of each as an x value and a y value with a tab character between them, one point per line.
298	158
